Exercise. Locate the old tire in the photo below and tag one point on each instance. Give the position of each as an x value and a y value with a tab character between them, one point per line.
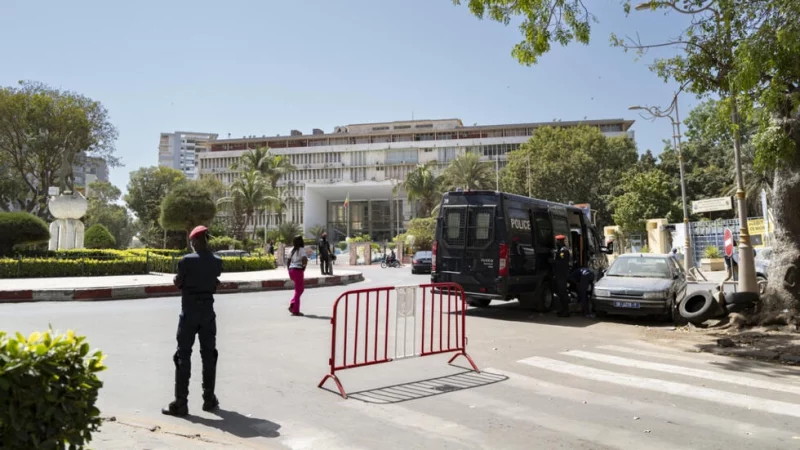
762	284
740	301
698	307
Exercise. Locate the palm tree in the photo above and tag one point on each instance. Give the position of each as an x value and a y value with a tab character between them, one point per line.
288	231
251	191
469	173
315	232
424	186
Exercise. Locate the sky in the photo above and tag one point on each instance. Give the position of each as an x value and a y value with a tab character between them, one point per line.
267	67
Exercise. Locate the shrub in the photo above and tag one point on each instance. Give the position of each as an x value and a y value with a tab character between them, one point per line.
248	264
98	236
644	249
342	245
21	228
712	252
48	389
224	243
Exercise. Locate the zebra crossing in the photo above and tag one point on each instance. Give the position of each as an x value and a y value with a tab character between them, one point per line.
632	396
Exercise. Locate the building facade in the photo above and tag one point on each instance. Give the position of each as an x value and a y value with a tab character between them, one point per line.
366	163
87	170
179	150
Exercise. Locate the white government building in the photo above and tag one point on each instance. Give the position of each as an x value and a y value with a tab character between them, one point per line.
366	162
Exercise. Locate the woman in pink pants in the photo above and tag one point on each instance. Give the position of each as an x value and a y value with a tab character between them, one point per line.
297	268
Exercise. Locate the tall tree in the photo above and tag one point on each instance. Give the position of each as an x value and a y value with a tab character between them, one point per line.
146	189
424	186
104	210
468	172
186	206
42	131
745	51
644	195
553	165
253	193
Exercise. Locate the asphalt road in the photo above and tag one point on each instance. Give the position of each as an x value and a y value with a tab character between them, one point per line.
545	383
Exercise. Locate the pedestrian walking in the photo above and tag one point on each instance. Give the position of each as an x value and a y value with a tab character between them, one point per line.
297	268
561	270
197	278
325	254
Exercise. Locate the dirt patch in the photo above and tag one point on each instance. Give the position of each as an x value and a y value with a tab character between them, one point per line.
774	344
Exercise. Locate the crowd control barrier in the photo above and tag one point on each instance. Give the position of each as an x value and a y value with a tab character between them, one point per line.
379	325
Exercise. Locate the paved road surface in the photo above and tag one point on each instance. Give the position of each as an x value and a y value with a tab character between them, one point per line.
546	383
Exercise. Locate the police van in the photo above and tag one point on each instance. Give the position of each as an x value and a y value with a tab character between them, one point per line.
499	246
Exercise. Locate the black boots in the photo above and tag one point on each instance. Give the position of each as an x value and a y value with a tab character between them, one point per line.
176	408
210	402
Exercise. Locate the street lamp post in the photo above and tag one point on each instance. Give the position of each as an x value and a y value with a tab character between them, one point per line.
654	113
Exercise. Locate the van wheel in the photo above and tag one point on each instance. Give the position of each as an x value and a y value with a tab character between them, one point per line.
544	298
480	302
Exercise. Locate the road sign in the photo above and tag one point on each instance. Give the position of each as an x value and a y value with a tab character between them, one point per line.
728	236
712	204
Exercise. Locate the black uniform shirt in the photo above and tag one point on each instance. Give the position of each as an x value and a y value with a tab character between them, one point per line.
198	275
324	247
561	262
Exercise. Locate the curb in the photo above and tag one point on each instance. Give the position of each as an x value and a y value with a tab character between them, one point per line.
165	290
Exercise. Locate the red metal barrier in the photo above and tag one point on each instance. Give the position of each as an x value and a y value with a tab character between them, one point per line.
366	342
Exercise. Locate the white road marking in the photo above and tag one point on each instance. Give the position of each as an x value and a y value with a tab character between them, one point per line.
431	426
686	371
587	431
670	413
668	387
649	354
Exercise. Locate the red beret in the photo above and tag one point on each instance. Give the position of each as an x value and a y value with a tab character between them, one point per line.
197	231
560	237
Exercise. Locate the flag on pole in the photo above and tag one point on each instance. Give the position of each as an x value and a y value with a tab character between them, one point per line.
347	200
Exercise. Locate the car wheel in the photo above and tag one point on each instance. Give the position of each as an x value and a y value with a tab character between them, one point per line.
413	272
674	314
698	307
544	298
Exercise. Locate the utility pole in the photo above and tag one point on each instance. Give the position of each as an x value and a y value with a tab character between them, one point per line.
655	113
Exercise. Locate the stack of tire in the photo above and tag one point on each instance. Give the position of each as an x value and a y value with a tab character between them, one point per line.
700	306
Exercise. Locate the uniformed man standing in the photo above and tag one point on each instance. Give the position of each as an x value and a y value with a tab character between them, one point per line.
197	278
325	255
561	271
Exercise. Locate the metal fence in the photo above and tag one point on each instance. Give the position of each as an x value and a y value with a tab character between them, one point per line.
710	234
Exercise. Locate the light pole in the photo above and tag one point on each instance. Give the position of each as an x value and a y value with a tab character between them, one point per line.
654	113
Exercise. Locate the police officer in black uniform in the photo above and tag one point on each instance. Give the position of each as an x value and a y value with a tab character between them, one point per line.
561	271
197	278
325	255
584	279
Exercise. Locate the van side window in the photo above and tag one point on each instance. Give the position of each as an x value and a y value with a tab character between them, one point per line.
592	240
544	230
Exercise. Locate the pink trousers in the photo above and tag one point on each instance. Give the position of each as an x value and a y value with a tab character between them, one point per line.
297	276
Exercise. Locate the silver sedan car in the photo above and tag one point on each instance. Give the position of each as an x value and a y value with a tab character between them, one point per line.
641	284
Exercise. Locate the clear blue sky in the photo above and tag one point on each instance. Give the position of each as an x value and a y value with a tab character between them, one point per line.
265	67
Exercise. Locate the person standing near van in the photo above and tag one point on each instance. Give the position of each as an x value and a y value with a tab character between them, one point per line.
561	270
297	268
197	278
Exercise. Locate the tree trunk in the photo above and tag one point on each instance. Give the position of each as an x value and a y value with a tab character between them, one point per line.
783	288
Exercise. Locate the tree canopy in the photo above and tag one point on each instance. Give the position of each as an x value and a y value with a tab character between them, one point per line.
104	210
43	129
186	206
468	172
576	164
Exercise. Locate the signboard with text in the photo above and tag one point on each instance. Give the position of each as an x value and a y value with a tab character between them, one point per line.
712	204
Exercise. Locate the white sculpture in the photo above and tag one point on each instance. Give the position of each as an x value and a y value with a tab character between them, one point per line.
66	232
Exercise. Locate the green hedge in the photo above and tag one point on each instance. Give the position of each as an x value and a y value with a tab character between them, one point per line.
48	391
70	263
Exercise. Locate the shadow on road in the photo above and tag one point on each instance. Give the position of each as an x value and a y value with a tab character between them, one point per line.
314	316
427	388
513	312
238	425
757	352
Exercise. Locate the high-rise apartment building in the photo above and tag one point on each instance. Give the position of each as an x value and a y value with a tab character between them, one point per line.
179	150
366	163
